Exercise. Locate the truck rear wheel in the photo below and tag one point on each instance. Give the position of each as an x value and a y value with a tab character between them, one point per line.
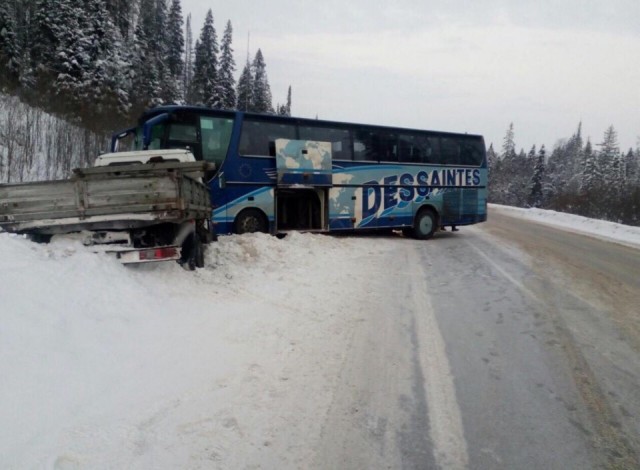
192	253
198	255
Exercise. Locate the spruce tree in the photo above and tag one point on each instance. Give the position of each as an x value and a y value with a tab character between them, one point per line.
175	50
146	70
105	85
262	101
10	53
508	144
608	159
187	74
289	101
591	176
168	89
227	68
58	52
245	89
205	75
122	14
536	194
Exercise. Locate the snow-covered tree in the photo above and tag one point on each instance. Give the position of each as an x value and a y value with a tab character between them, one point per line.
262	101
187	74
205	75
227	68
508	144
536	194
146	68
174	50
122	15
285	109
591	175
10	53
245	89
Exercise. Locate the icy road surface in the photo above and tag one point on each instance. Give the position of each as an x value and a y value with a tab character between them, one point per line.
506	345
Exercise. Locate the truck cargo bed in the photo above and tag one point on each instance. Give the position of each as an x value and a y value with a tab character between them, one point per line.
112	197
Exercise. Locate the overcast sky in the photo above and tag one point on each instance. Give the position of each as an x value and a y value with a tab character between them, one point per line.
452	65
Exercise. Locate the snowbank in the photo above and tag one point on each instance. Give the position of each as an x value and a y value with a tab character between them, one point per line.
624	234
106	366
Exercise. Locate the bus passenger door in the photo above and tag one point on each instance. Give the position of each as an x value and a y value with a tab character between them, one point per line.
304	169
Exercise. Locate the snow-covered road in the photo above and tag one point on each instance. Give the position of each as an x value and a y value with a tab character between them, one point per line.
506	345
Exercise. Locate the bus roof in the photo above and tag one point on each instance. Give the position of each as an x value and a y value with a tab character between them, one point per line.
291	119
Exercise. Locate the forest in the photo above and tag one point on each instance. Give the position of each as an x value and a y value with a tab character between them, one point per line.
600	181
72	71
100	63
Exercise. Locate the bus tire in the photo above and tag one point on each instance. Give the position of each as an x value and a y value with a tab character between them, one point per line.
425	224
250	221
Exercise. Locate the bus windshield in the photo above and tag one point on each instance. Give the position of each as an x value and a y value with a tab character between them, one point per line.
216	134
207	137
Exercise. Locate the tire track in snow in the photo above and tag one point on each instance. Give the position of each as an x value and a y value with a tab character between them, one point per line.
445	419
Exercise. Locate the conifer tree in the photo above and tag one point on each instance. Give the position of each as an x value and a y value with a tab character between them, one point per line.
536	194
105	84
492	161
227	68
122	13
245	89
57	52
508	144
609	159
632	167
262	101
146	69
288	105
205	75
591	177
161	52
175	50
187	74
9	47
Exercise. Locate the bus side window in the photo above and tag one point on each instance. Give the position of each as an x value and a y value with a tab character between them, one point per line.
339	138
385	146
471	152
450	151
258	136
432	150
363	146
408	152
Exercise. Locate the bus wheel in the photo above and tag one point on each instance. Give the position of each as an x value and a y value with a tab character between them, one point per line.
425	224
250	221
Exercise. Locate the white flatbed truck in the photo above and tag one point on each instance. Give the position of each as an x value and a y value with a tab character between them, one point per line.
142	206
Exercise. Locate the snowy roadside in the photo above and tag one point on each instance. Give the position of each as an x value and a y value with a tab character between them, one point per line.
106	366
610	231
231	366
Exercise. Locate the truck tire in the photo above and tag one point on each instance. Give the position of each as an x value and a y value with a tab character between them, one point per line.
250	221
192	253
198	253
425	224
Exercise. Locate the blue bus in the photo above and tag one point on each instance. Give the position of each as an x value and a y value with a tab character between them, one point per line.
278	173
